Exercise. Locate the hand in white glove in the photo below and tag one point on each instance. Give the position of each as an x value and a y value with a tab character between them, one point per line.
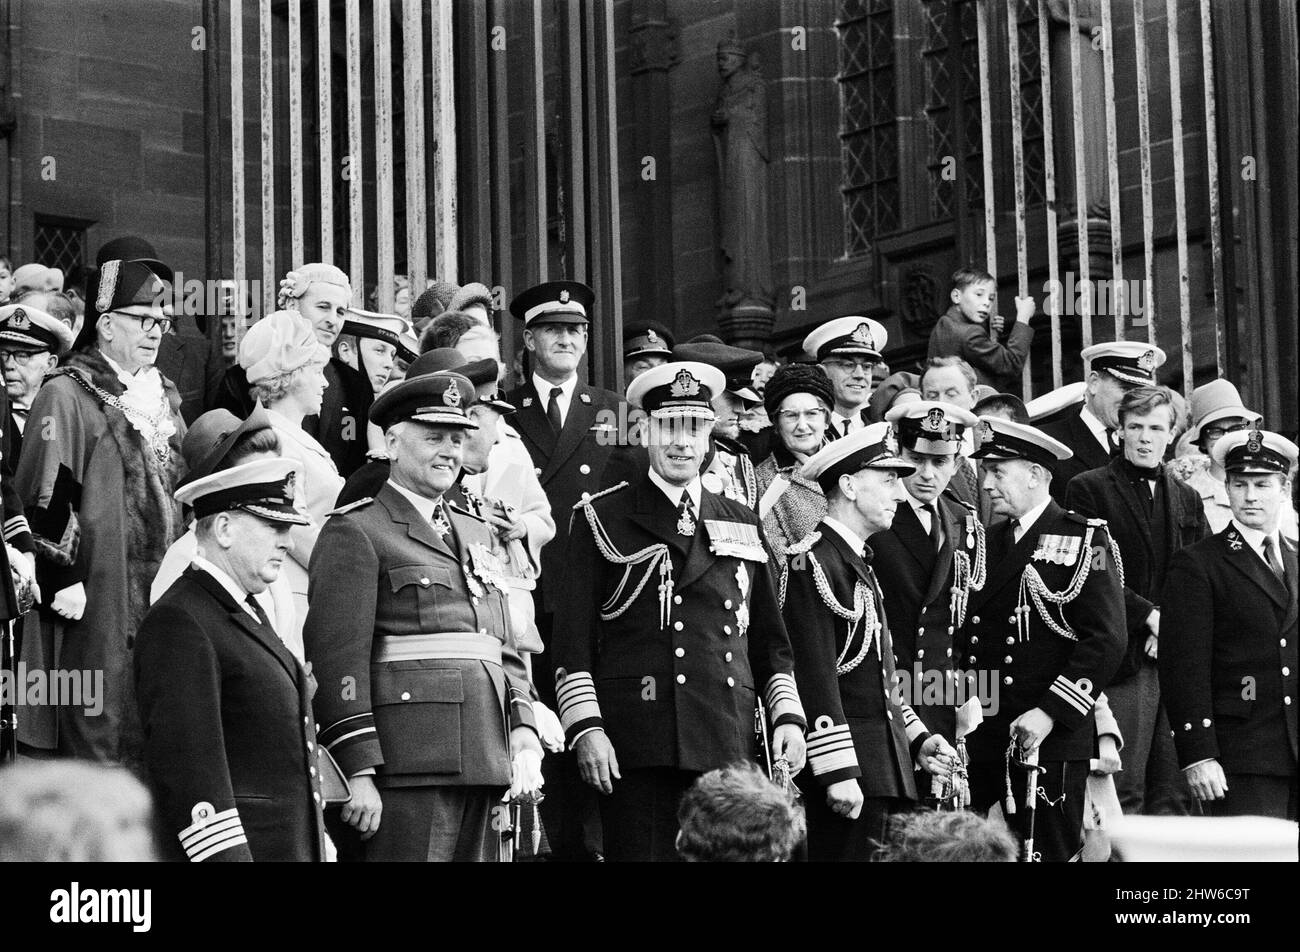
549	728
525	775
24	570
71	602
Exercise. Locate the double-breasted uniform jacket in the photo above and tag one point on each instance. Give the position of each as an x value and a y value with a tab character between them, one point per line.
665	640
845	667
1227	661
1107	493
1088	451
1060	663
229	737
567	464
925	600
381	573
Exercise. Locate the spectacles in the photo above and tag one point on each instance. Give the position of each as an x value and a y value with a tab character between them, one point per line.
850	364
795	417
1217	432
149	323
21	357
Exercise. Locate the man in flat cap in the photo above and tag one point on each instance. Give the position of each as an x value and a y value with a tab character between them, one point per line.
1228	664
1043	638
930	560
864	738
229	738
1113	370
646	344
848	349
561	421
425	703
669	630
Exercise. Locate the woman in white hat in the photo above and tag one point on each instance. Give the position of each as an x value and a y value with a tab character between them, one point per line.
285	363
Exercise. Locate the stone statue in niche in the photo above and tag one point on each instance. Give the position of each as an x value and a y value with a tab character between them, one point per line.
740	143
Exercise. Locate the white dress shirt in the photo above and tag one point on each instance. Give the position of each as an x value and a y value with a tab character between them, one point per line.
674	493
846	425
855	541
544	388
1255	539
1028	519
425	506
1097	428
229	584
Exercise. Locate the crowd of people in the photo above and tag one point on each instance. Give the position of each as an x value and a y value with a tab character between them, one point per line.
360	586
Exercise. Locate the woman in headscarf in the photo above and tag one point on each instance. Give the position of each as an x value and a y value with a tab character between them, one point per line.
219	440
798	400
285	364
97	472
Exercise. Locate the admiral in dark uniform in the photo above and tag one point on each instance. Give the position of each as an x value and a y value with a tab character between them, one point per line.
848	349
229	738
669	631
929	560
1228	663
864	737
1042	638
424	702
1113	370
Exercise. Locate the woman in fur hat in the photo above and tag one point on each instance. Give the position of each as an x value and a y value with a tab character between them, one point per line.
798	400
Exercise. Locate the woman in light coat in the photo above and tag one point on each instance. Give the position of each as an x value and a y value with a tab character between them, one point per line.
285	364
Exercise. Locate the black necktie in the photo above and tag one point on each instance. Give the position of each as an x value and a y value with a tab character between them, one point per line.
936	531
553	410
256	606
1273	560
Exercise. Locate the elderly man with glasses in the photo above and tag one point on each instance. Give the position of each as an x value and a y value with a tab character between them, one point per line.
97	485
848	349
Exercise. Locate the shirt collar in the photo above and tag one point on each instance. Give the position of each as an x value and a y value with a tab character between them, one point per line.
544	388
225	581
674	493
855	541
425	506
1028	519
1255	538
1097	428
119	369
916	503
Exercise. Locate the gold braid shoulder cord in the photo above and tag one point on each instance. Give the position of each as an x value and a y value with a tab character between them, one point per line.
656	554
800	548
966	578
1032	583
160	447
863	610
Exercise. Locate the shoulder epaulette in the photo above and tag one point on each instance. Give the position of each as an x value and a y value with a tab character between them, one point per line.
365	500
1085	520
594	496
465	512
969	506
